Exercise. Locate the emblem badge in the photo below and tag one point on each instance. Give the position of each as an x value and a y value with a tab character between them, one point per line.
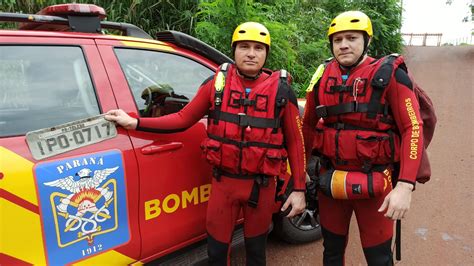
83	205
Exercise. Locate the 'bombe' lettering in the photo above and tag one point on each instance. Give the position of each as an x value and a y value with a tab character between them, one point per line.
172	202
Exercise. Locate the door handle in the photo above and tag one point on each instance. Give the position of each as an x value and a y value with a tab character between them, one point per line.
152	149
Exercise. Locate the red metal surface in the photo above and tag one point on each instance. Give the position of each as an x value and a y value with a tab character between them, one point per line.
155	170
166	177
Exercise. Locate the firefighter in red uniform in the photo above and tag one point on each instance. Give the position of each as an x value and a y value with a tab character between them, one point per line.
253	127
365	130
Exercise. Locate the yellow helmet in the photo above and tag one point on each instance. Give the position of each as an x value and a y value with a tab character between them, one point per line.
351	20
251	31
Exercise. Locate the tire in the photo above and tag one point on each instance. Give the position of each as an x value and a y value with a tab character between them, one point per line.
300	229
305	227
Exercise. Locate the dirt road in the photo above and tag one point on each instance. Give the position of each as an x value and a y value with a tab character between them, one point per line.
439	229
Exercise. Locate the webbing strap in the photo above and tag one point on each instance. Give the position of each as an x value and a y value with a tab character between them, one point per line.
219	172
244	120
281	97
392	145
260	180
341	88
379	83
254	195
370	185
323	111
345	126
245	144
244	102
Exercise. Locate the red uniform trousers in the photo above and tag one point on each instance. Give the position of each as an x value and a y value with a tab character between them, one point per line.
228	197
375	229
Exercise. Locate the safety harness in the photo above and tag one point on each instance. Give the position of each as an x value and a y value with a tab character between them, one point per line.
379	82
244	120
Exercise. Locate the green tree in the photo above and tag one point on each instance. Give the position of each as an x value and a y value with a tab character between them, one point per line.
386	22
298	27
150	15
295	27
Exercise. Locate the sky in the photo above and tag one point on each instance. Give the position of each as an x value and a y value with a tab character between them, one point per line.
436	16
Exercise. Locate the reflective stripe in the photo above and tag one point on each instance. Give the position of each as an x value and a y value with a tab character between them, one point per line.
315	78
17	176
338	184
21	234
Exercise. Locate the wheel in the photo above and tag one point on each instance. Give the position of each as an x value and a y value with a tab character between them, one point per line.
300	229
305	227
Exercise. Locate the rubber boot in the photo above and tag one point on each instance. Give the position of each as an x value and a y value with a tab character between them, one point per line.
380	255
217	251
255	250
334	248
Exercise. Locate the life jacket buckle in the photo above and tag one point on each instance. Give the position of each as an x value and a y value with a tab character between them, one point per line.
339	126
262	180
281	102
367	166
218	101
243	120
321	111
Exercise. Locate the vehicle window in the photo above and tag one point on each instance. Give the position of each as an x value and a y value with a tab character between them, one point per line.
161	83
43	86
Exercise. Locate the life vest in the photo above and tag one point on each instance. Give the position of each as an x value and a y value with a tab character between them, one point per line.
357	130
244	131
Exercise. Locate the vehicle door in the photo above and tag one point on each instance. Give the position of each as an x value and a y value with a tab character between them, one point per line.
47	216
151	80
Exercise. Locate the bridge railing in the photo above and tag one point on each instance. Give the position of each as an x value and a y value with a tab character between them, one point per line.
423	39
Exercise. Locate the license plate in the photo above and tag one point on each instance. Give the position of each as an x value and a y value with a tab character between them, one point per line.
47	142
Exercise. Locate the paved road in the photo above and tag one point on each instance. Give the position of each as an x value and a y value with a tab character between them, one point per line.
439	229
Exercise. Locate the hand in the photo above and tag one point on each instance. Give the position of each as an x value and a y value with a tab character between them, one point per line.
297	202
398	201
121	118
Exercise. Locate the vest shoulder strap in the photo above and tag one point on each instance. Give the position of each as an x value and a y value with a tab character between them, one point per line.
379	82
219	85
282	97
314	83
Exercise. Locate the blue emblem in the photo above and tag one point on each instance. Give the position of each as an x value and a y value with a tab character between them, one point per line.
83	206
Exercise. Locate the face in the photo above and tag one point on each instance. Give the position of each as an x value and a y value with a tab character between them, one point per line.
250	57
348	46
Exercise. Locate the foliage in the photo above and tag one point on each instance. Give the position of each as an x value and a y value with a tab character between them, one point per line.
386	22
151	15
298	42
298	27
